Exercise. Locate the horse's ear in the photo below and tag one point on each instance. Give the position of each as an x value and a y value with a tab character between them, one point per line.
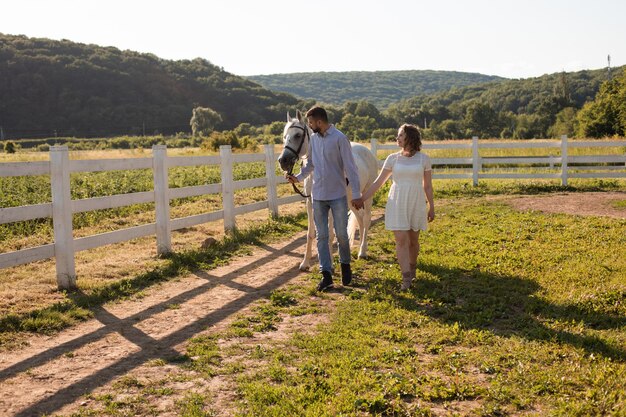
298	115
288	116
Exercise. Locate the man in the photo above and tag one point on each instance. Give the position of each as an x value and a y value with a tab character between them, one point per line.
331	162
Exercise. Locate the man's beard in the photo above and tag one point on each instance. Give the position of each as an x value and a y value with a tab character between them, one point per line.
316	130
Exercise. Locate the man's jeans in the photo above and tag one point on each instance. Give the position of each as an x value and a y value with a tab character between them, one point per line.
339	209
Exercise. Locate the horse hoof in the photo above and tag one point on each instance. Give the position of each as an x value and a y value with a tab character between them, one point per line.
363	256
304	268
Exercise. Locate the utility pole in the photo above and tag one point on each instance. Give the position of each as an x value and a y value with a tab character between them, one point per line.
1	133
609	67
143	124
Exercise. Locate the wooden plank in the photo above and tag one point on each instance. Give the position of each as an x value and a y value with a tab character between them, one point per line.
597	167
270	175
99	165
584	159
451	161
112	201
117	236
23	213
248	208
195	190
519	145
254	182
18	169
197	219
161	199
521	160
445	146
62	217
228	188
451	176
189	161
503	175
25	256
250	157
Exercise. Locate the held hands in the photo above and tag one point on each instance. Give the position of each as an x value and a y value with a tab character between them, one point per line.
291	178
357	203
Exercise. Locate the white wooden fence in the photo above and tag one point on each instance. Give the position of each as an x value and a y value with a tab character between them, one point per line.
62	206
474	166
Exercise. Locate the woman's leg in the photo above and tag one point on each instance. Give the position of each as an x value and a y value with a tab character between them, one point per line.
403	254
414	250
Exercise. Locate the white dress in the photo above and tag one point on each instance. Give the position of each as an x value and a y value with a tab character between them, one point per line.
406	204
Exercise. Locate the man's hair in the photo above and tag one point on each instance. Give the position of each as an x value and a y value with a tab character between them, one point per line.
413	141
317	113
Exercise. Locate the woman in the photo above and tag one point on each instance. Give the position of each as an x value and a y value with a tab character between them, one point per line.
405	212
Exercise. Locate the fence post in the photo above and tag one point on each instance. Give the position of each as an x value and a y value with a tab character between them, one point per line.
62	217
374	148
551	161
475	160
228	188
564	160
270	174
161	199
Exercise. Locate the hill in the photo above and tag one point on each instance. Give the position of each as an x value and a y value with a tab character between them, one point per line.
523	108
52	87
379	87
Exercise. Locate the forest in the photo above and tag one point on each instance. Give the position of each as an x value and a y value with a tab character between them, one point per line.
63	88
380	88
53	89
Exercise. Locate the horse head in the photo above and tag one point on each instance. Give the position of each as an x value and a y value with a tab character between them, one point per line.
295	142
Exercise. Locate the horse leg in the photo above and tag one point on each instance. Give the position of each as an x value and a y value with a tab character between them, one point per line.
364	226
310	237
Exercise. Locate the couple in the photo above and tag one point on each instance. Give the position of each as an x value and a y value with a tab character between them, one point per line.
331	162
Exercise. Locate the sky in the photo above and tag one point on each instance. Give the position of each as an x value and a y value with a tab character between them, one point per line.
508	38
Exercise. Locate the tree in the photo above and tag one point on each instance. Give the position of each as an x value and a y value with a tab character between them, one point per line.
9	147
565	124
482	121
203	121
606	114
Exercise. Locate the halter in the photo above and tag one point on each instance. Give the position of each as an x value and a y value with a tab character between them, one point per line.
297	153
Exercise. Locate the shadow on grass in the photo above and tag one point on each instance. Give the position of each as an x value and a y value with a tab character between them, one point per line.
507	306
151	348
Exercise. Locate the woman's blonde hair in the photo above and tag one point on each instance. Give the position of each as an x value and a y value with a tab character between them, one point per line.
413	137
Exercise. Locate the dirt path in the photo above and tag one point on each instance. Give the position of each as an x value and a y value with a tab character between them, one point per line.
580	204
53	374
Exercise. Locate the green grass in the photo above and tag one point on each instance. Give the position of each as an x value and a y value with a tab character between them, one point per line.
620	204
512	314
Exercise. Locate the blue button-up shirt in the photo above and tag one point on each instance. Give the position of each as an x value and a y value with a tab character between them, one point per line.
331	162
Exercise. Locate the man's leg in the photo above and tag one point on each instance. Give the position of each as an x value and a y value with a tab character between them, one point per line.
320	217
339	208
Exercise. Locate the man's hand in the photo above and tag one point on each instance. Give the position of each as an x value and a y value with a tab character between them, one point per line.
291	178
357	203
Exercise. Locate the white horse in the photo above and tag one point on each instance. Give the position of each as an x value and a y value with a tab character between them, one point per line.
296	137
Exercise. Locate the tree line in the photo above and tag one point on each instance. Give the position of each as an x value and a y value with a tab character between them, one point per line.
64	88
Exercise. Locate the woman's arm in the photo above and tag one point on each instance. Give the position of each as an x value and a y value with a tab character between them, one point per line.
382	178
428	189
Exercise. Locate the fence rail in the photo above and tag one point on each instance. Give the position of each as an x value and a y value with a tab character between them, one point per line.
62	207
476	167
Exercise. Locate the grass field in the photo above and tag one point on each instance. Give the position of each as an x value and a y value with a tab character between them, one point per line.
513	313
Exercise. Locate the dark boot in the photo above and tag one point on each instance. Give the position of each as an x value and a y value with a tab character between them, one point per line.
346	274
326	282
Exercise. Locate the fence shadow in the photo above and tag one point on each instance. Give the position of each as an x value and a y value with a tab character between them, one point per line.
151	348
509	306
